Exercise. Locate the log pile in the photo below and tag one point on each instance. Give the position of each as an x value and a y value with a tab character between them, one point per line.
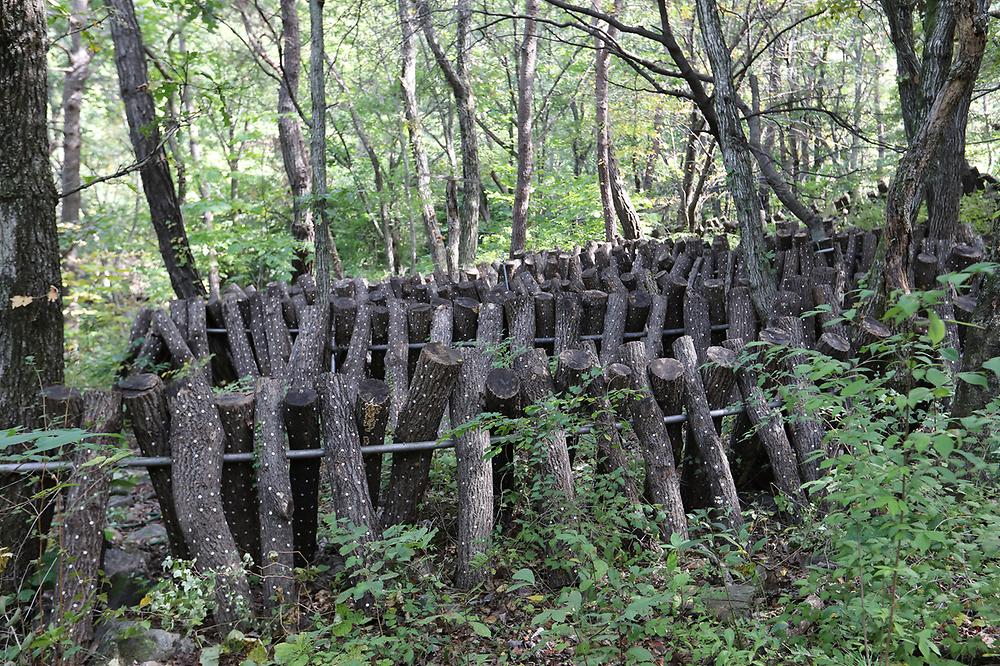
286	381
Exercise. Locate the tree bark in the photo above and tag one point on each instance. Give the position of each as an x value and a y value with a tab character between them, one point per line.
525	129
408	84
144	132
435	375
737	157
294	156
81	525
29	260
326	257
73	85
475	472
461	87
196	446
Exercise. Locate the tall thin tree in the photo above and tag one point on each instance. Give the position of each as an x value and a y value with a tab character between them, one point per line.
525	139
157	183
327	258
72	101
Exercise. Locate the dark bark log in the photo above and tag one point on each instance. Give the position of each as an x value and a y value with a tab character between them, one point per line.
146	405
371	410
614	325
301	413
475	472
710	448
666	380
157	184
642	411
196	446
239	343
769	428
342	446
396	355
437	370
274	494
567	334
501	395
239	492
696	321
520	315
537	386
740	315
352	370
81	525
593	304
654	326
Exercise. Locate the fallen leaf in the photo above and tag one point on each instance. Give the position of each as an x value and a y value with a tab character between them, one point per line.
53	294
20	301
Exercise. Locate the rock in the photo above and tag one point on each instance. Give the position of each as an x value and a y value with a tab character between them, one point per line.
151	535
729	602
117	501
152	645
126	574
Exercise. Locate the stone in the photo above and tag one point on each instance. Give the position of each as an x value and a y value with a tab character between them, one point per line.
154	645
730	602
126	574
151	535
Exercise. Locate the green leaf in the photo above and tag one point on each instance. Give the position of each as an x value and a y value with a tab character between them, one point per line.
480	629
993	365
524	576
639	654
974	378
935	328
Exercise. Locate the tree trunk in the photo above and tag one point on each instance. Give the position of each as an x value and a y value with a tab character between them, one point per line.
948	105
458	79
525	144
29	257
76	78
737	158
614	199
294	156
408	84
144	132
326	256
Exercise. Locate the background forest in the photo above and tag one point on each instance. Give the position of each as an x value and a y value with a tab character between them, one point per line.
826	75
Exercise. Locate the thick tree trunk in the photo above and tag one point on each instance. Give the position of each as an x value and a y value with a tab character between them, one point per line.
327	258
294	156
29	260
903	197
408	84
525	128
157	184
76	79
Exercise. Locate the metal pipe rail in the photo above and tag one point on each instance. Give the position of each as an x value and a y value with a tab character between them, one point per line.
306	454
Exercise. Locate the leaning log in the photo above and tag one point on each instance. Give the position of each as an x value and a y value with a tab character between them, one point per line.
435	375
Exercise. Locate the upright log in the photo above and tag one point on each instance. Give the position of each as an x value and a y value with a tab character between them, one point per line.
239	343
145	401
475	473
396	375
274	493
536	386
372	413
81	525
769	427
239	492
614	325
567	334
196	446
647	421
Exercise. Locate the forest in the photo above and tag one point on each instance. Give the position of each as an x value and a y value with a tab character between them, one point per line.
499	332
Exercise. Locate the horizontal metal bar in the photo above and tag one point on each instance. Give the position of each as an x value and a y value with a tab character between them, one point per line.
313	454
635	335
